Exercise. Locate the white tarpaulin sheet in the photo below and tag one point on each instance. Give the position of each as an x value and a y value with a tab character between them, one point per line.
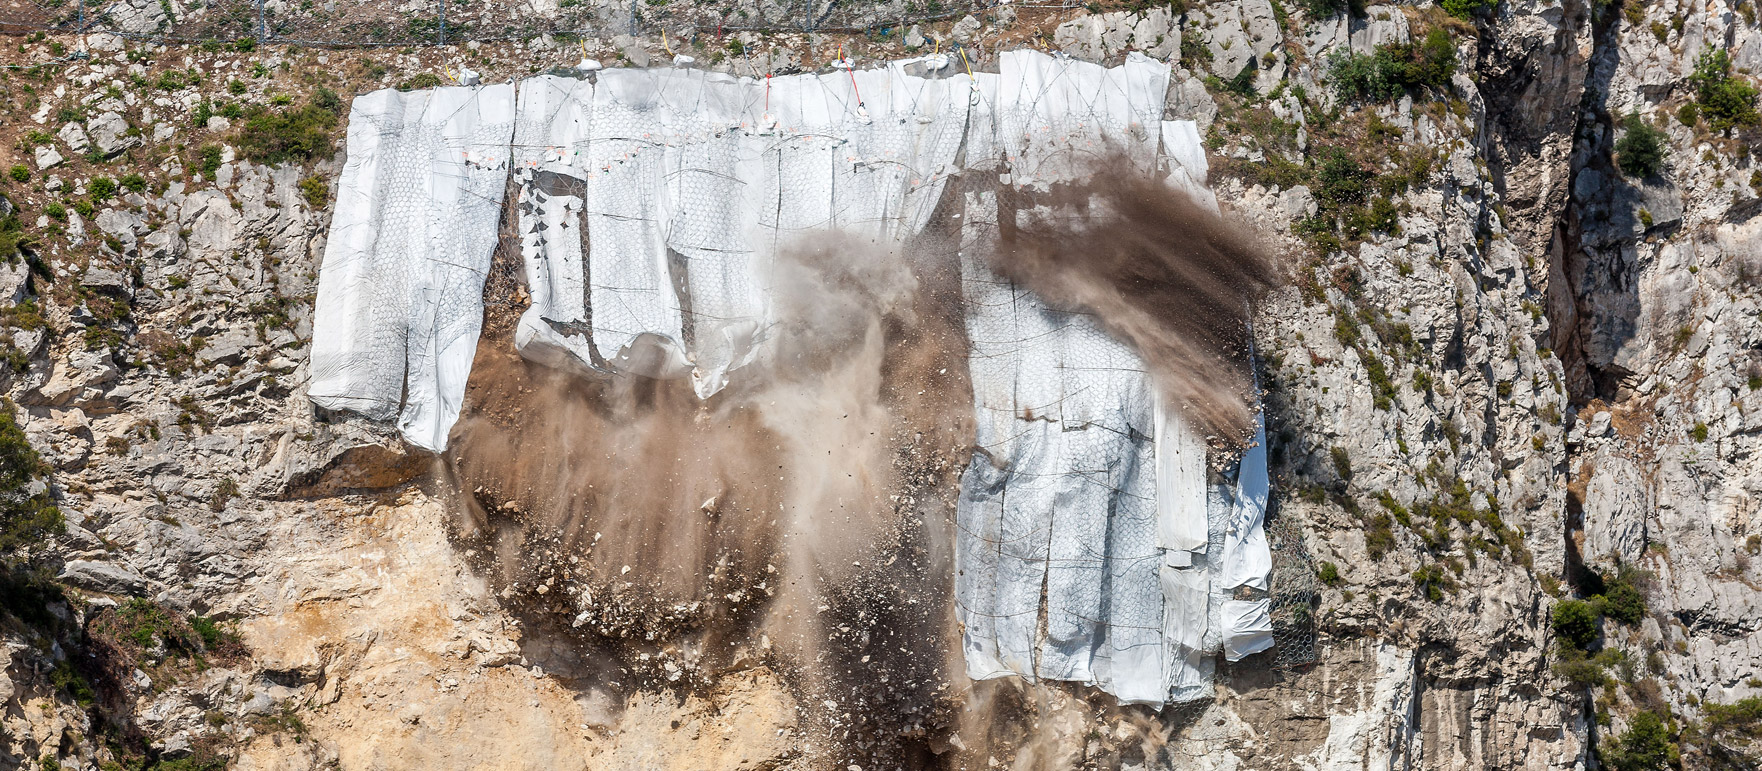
1065	480
1093	542
400	293
689	182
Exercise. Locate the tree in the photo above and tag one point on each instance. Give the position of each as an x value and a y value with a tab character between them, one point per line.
1575	623
1726	101
1640	151
1644	746
26	516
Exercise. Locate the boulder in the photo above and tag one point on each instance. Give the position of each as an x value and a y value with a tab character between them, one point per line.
111	134
75	137
106	577
47	156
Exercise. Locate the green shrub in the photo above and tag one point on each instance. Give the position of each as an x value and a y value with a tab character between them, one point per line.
1644	746
1621	599
225	491
1725	100
1342	463
1432	583
1699	432
1468	9
1742	718
69	681
1688	114
213	636
102	189
1394	69
1575	623
26	518
272	137
419	82
1243	84
211	155
1340	179
20	173
316	191
328	101
1379	536
55	211
1640	151
172	80
1329	574
1573	666
1320	10
134	183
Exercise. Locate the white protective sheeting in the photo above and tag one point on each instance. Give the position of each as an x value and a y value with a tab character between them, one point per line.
1251	627
689	183
1186	160
1058	516
1093	542
1084	493
400	301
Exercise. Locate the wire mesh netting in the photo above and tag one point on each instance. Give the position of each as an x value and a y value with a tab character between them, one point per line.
1295	593
367	23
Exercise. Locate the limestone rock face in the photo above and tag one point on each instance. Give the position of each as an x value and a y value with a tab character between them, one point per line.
1537	377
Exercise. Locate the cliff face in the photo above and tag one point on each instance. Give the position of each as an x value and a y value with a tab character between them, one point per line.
1516	378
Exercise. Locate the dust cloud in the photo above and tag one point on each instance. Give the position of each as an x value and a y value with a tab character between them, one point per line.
1159	271
797	518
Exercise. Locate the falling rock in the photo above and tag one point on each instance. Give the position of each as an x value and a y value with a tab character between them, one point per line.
914	38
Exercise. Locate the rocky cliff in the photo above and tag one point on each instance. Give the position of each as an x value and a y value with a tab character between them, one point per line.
1514	396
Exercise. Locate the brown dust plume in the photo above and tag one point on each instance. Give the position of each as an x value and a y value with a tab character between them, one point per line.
1160	271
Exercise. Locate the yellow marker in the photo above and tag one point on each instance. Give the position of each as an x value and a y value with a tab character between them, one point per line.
969	65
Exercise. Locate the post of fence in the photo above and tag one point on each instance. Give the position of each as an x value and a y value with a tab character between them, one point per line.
81	29
262	26
443	22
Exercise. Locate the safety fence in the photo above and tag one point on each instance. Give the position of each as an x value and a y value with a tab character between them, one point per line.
372	23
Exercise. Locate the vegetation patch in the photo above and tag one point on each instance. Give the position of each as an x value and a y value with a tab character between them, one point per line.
1641	149
1395	69
273	136
1644	746
1726	101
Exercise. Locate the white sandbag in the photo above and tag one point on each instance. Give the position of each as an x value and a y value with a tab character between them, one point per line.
1180	487
691	181
550	144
